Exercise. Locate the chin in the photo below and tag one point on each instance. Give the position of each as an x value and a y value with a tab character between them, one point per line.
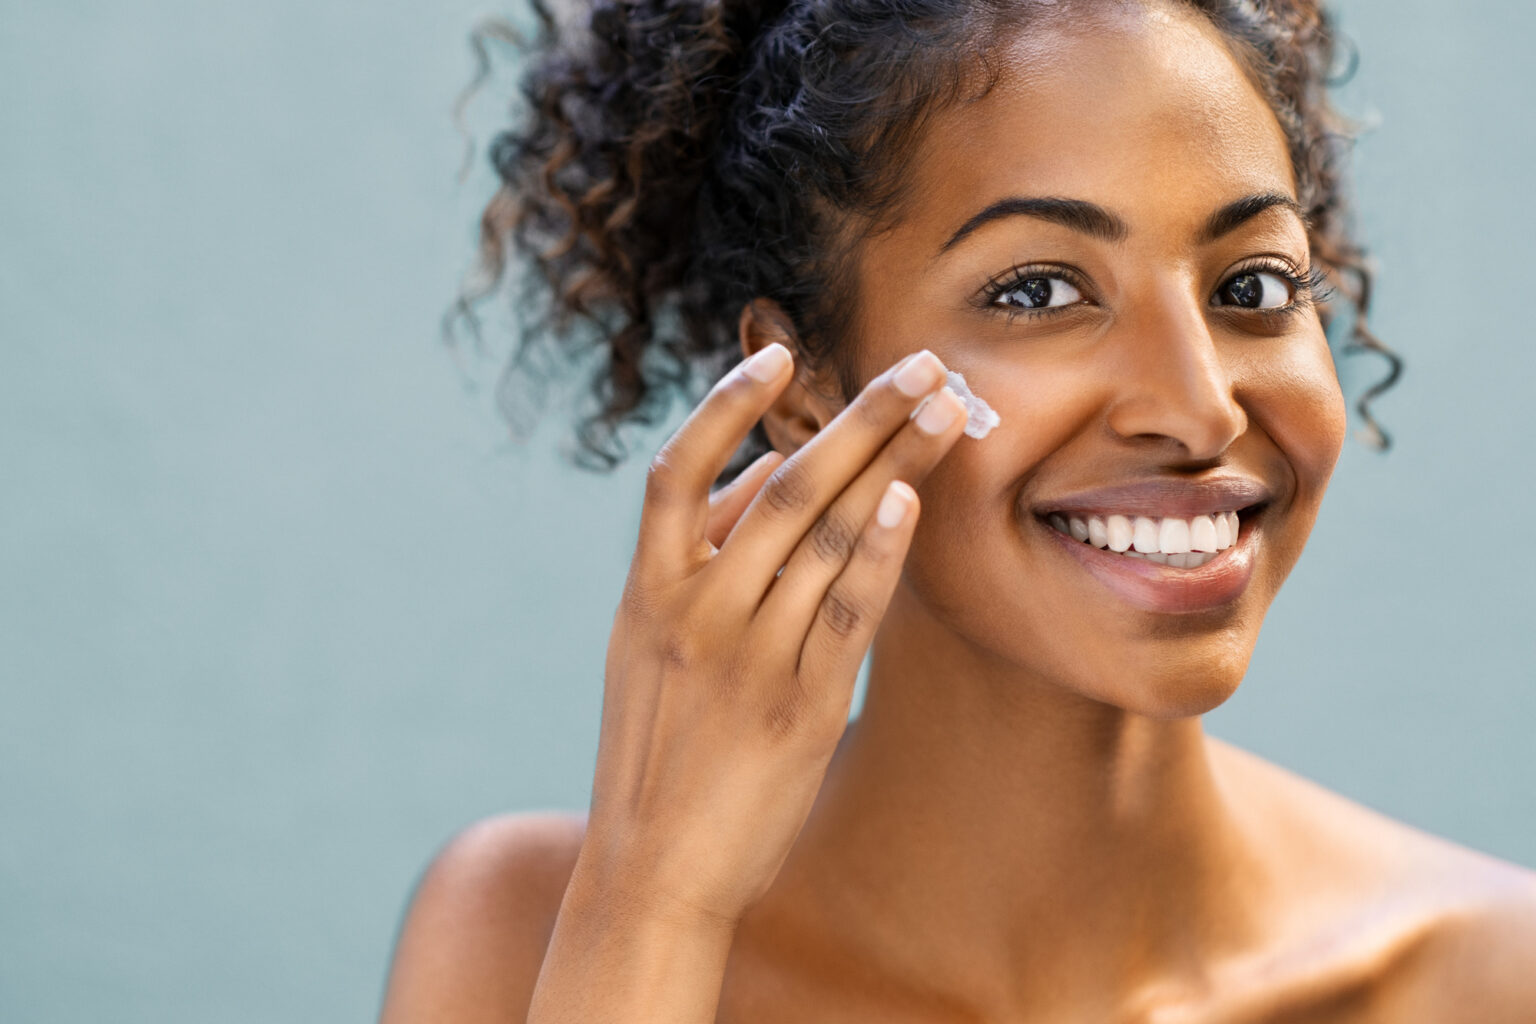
1165	678
1183	695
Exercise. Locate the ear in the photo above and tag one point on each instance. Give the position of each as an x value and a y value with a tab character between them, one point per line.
809	402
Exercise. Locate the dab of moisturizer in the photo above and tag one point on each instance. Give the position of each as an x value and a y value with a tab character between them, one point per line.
980	417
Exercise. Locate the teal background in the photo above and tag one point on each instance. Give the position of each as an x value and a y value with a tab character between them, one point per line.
280	610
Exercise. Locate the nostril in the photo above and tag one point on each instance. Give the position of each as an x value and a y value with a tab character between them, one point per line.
1186	400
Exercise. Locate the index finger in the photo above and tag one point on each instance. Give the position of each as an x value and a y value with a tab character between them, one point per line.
676	510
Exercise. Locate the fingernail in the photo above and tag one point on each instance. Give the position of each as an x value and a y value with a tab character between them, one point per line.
919	374
935	415
765	366
893	507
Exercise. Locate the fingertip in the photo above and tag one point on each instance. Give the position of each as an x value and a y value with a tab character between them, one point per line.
896	504
769	363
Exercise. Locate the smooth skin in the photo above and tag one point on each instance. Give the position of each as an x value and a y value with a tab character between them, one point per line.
1026	822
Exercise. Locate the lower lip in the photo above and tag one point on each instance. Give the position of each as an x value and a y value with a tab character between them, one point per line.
1163	588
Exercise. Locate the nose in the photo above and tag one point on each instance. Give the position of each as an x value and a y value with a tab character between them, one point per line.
1172	382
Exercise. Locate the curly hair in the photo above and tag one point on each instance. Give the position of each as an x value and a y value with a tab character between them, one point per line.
678	158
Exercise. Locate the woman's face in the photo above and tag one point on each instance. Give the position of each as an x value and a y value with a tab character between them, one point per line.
1144	342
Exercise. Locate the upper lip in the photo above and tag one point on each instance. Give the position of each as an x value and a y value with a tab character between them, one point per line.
1161	497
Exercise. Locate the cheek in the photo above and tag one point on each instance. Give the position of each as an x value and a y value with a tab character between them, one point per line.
1046	403
969	499
1046	406
1292	393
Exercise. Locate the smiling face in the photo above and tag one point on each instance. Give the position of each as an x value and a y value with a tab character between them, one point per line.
1106	245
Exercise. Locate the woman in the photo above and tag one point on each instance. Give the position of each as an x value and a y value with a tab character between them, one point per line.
1119	223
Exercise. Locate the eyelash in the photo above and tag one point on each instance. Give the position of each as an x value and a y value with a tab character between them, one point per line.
1308	288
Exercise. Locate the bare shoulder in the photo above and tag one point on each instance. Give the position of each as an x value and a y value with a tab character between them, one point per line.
480	920
1478	961
1447	933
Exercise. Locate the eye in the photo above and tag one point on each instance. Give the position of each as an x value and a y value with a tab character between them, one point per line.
1038	292
1255	289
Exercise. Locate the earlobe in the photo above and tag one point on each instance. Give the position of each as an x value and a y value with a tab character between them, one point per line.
800	411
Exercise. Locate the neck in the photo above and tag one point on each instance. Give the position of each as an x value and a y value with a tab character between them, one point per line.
980	830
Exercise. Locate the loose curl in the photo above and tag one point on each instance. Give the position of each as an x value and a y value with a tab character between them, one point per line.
678	158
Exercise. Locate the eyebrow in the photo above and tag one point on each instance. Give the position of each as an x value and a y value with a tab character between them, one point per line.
1093	220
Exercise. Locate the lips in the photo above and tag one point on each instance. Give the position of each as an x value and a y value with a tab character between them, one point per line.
1166	546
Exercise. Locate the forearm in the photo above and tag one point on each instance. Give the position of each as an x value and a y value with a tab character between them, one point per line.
613	958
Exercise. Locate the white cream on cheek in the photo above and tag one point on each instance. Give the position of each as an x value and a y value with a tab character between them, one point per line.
980	417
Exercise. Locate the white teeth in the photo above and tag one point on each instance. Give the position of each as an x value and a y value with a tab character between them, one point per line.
1202	534
1173	536
1098	533
1179	543
1120	533
1223	532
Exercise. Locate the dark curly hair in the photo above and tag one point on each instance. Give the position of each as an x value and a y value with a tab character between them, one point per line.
678	158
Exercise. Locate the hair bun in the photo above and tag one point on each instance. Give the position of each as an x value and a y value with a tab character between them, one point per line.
599	185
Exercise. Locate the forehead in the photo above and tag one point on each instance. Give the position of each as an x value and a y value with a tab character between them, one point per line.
1140	109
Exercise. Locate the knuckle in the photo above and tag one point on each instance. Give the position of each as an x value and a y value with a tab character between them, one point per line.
680	651
787	709
661	475
842	613
689	654
789	491
832	538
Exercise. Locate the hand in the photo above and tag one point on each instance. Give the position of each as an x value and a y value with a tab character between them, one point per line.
728	683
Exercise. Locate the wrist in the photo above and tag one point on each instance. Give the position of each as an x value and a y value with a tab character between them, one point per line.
621	950
618	887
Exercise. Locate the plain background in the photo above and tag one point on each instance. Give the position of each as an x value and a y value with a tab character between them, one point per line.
280	610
